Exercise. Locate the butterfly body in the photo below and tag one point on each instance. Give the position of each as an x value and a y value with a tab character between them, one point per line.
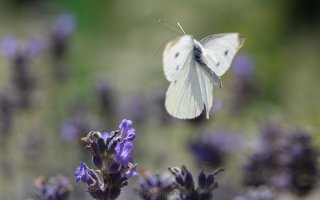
193	68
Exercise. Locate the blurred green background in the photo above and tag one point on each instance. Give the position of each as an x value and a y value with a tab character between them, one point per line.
118	41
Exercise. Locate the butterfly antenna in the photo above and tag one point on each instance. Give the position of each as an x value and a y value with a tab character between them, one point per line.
161	47
181	28
164	23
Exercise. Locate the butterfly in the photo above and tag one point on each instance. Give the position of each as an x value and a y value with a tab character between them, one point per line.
192	67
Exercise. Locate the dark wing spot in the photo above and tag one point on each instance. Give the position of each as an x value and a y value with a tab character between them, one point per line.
176	55
226	52
175	82
177	67
217	64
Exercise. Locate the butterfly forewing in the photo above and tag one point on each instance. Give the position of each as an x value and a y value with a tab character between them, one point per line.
175	56
183	98
220	49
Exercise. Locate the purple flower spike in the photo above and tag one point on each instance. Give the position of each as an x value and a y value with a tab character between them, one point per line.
34	46
243	66
127	132
65	24
69	131
82	173
124	150
8	46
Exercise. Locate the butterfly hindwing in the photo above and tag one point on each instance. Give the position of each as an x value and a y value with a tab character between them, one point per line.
220	49
183	97
175	56
206	88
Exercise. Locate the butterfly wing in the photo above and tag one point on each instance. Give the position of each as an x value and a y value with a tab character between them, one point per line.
183	97
220	49
175	56
206	89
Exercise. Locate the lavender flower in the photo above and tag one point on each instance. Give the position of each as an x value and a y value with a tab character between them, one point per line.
21	56
302	165
261	193
266	165
155	187
212	149
79	123
284	161
111	155
107	101
62	30
57	188
184	183
245	84
135	107
82	173
8	103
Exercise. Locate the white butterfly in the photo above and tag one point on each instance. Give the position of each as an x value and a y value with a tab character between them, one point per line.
193	67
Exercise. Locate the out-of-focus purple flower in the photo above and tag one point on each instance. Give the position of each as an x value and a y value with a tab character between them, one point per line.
155	187
62	30
34	46
261	193
9	46
65	25
265	165
124	150
243	66
8	104
107	101
213	149
135	107
284	161
77	125
57	188
69	131
20	56
245	84
303	164
159	115
82	173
